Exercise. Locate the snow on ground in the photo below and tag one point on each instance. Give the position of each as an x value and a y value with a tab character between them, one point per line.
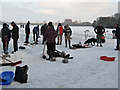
85	70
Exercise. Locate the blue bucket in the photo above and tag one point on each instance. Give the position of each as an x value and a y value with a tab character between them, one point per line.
8	76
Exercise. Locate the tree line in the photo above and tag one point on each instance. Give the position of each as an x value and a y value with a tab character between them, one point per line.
107	22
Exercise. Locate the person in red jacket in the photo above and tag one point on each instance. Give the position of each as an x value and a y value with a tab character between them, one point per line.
60	33
50	35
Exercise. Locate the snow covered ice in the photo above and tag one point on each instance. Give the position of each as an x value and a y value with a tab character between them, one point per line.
85	70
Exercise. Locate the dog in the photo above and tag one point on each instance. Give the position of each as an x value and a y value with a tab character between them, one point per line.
91	40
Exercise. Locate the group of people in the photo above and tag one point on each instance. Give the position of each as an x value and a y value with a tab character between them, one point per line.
68	32
49	34
100	30
60	30
7	34
48	31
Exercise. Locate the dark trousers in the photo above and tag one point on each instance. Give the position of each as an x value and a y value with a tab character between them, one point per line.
118	43
5	46
35	36
27	37
15	44
67	38
43	39
51	49
59	39
99	39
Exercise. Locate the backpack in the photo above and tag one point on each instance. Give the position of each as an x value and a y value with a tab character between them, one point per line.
21	74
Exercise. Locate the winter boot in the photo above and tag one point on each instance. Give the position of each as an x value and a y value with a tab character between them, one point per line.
101	45
48	58
63	54
97	45
65	61
53	59
68	55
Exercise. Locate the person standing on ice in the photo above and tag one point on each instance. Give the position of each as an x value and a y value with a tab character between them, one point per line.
43	29
5	35
60	33
27	31
36	33
99	30
50	36
117	36
15	36
68	33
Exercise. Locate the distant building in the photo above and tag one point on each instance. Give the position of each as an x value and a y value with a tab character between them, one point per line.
107	22
119	7
86	23
68	21
117	16
75	23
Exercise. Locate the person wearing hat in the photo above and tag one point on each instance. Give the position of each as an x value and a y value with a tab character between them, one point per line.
50	35
27	32
5	35
15	36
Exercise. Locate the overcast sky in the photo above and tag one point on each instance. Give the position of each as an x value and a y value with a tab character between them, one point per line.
53	10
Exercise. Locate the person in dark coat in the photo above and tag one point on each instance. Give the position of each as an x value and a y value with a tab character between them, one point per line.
15	36
50	36
43	29
5	35
68	33
36	33
27	31
117	36
99	30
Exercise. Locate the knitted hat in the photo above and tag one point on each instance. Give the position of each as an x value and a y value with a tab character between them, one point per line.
12	22
50	24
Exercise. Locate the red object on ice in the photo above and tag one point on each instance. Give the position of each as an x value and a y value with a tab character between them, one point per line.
103	37
85	45
105	58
